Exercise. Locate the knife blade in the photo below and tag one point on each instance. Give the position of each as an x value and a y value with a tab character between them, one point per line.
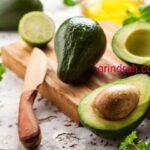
28	127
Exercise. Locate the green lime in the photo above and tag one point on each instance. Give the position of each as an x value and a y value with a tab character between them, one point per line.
36	28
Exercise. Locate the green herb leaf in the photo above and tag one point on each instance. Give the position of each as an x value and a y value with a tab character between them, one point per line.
145	8
143	146
2	70
129	20
71	2
132	140
145	12
128	141
144	15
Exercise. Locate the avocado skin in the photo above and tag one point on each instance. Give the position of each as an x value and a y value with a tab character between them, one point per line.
12	10
79	43
111	134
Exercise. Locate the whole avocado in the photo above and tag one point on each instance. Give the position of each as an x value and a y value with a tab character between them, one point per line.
12	10
79	44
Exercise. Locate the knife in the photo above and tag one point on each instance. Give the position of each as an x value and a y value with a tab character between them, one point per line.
28	127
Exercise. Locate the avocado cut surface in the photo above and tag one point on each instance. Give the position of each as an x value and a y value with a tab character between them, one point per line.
79	43
140	38
132	43
119	128
12	10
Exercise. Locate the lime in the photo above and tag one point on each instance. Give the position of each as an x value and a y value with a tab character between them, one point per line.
36	28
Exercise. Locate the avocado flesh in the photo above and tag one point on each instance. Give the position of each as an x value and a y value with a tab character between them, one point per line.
140	38
131	43
111	129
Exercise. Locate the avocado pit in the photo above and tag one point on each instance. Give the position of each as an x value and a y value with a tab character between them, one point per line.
116	102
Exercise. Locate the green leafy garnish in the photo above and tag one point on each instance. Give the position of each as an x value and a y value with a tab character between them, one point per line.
71	2
2	70
144	15
143	146
132	140
128	141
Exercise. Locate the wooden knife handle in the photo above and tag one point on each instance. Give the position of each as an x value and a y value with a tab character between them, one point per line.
28	127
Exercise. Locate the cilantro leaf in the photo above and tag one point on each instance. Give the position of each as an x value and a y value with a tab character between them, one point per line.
2	70
71	2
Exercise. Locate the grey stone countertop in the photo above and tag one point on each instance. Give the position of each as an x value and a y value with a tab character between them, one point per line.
58	131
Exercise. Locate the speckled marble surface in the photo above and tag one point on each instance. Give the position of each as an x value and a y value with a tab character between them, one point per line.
58	131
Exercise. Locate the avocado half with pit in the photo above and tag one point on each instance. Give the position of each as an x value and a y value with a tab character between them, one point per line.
109	127
132	43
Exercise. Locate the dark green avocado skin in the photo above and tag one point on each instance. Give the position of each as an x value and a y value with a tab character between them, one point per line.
111	134
79	43
12	10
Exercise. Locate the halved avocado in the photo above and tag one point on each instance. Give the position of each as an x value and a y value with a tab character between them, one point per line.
112	129
132	43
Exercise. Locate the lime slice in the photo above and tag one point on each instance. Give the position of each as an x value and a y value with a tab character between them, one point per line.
36	28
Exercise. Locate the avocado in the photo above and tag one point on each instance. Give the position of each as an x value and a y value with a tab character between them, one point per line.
132	43
111	128
79	43
12	10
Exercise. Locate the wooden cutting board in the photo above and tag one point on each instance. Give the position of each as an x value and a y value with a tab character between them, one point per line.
66	97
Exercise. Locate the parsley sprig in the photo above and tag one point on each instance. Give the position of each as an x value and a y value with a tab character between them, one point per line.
135	142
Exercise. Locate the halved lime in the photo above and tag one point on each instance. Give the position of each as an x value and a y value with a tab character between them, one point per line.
36	28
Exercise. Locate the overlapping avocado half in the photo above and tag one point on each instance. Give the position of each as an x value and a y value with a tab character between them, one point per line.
132	43
120	111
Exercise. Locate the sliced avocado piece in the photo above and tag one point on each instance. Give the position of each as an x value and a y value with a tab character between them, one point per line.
118	128
132	43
